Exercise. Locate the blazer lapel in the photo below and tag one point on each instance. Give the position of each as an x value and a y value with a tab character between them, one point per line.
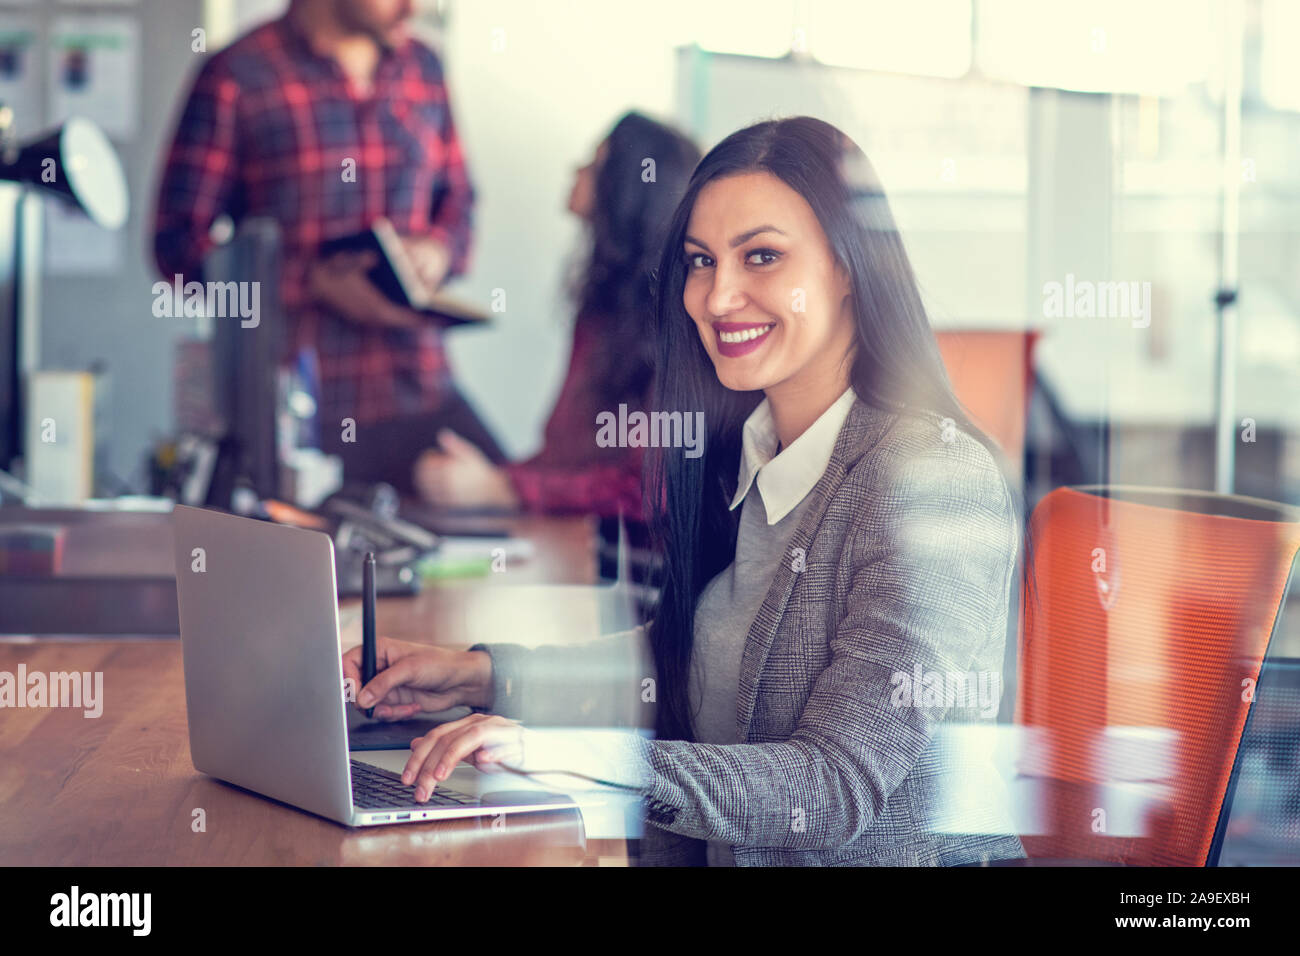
861	430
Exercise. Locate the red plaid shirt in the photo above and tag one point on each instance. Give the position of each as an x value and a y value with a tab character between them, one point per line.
271	128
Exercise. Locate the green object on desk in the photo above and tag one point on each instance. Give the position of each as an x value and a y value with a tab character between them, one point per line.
436	568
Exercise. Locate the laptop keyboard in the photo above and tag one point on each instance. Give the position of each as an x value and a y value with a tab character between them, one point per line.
374	788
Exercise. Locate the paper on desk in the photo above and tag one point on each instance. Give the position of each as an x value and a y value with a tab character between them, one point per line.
606	814
593	758
463	547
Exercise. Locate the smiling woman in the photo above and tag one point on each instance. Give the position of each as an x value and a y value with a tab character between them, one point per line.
845	531
877	533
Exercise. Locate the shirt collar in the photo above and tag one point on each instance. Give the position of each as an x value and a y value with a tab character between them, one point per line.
294	36
784	480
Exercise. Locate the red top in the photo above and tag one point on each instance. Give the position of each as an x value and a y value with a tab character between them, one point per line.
273	129
572	473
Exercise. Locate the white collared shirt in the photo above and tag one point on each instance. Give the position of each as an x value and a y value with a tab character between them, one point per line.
784	480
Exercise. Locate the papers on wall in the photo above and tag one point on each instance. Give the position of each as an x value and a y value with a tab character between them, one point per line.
19	72
93	70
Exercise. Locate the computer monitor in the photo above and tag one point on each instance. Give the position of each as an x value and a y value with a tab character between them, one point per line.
246	359
20	288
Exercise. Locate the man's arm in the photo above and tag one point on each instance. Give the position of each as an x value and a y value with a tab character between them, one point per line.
452	203
200	179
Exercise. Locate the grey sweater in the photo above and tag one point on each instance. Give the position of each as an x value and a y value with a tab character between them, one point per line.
723	617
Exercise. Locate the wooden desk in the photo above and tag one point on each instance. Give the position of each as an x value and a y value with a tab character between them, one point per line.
120	790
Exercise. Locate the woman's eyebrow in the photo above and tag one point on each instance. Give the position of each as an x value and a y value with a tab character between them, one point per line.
744	237
739	240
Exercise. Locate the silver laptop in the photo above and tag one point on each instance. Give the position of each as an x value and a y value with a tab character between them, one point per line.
264	682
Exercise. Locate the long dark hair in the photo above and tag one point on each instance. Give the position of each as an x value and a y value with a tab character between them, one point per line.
896	367
629	218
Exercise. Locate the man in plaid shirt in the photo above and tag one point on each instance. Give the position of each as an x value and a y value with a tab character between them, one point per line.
326	120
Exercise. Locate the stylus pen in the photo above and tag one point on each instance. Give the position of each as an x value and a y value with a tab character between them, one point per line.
368	668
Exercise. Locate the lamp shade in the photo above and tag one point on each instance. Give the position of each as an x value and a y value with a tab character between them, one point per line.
77	162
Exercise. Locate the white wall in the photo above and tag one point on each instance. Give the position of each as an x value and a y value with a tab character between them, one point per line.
529	114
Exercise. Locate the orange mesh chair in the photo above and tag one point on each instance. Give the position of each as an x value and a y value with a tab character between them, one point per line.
1144	626
992	375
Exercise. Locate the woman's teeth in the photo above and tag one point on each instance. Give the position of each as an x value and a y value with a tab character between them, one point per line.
745	336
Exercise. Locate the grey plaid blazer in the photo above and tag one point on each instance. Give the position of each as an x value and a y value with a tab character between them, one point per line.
858	671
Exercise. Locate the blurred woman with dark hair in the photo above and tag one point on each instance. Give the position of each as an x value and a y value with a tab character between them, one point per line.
626	194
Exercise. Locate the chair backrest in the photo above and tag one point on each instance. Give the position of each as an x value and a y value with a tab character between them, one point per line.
1145	620
992	375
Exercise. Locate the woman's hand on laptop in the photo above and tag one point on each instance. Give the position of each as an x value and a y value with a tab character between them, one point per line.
414	678
482	739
